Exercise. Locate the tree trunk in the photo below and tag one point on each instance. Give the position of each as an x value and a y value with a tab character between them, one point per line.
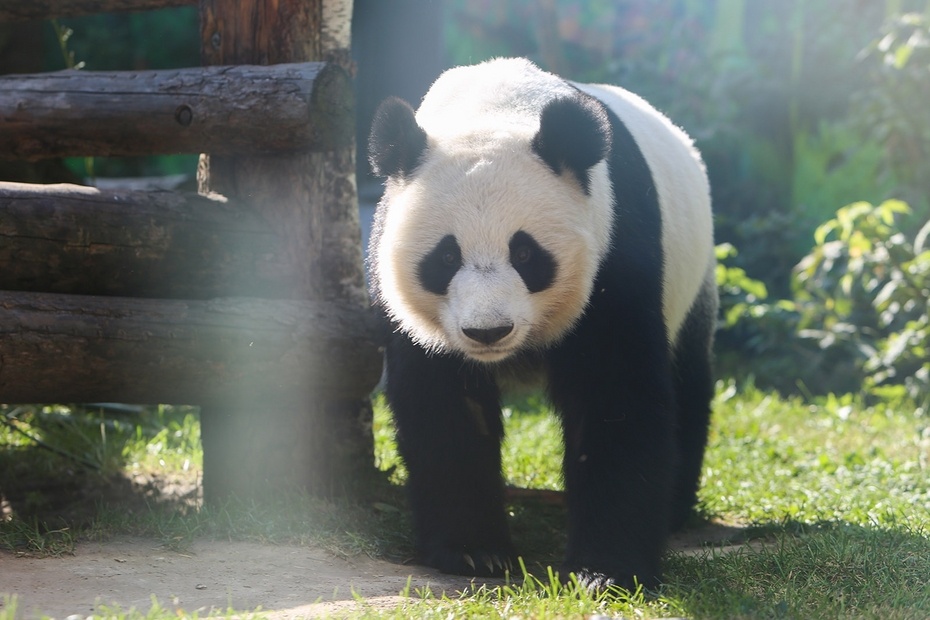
309	200
83	241
220	110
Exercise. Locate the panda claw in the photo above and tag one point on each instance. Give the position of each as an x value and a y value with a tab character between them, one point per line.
468	560
488	562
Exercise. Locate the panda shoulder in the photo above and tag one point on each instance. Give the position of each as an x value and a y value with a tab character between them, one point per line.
651	129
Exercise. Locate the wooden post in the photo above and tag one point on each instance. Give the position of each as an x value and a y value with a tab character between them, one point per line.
309	200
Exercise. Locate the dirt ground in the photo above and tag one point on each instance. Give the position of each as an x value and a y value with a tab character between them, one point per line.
289	581
283	581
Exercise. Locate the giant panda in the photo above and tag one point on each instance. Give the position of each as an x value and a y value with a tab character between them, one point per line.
537	230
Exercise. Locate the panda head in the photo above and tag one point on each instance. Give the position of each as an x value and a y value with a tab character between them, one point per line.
490	232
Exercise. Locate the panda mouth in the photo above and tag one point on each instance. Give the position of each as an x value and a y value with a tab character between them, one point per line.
489	353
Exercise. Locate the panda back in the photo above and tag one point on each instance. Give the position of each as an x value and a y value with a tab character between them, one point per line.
680	180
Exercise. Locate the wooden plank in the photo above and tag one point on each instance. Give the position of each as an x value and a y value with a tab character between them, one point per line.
80	240
21	10
252	352
286	108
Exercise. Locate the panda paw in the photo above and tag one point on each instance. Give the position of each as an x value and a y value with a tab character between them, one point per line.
598	581
473	563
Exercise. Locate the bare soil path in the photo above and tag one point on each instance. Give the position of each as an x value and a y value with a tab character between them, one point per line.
283	581
288	581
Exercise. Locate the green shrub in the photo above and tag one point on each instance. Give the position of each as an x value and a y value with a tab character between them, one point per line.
858	319
757	339
835	165
863	290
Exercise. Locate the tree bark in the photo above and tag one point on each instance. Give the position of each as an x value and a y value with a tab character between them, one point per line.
17	10
80	240
223	110
310	201
257	354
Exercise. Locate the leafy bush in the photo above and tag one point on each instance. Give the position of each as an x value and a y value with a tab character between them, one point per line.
757	340
859	318
835	165
864	290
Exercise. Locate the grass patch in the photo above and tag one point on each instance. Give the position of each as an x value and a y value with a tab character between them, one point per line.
831	570
774	460
834	494
343	527
531	597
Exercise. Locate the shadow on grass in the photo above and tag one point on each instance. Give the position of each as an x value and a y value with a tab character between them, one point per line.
798	570
49	499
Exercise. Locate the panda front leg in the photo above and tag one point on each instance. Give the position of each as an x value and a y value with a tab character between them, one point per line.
449	433
619	468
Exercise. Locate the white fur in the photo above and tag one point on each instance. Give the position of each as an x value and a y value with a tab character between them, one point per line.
481	183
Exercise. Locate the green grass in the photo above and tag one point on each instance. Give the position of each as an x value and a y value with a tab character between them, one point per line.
834	495
774	460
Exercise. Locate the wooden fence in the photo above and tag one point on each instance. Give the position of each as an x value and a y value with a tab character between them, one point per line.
246	299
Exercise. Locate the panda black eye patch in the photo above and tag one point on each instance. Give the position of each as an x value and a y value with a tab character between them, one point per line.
535	265
437	268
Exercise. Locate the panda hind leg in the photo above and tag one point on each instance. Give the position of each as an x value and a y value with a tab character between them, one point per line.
694	391
450	430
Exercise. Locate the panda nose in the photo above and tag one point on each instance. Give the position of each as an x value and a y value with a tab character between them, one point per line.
489	335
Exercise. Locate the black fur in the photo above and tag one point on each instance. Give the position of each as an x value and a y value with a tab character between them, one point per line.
535	265
612	382
437	268
396	142
635	412
694	390
574	134
449	431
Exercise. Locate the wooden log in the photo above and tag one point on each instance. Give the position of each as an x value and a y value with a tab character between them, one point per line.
255	353
20	10
284	108
81	240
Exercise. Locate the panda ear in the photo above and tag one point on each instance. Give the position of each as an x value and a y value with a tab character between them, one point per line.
396	141
574	134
